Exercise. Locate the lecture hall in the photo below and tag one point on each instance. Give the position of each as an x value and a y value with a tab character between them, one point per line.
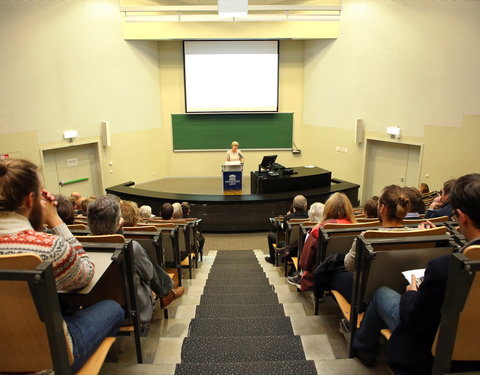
267	187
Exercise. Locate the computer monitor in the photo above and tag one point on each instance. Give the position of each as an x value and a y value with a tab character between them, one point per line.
268	161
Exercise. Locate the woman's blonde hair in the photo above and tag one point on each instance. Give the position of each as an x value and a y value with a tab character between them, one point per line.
338	206
235	143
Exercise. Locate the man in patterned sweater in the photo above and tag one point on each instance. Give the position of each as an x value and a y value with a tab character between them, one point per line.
24	209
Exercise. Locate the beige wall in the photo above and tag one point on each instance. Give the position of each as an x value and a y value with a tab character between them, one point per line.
413	64
64	65
408	64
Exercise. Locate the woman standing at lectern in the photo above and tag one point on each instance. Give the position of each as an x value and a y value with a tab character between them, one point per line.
235	154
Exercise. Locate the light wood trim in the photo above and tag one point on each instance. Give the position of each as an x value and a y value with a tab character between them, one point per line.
78	226
466	342
295	262
345	307
366	220
95	362
24	341
351	226
141	228
439	231
107	238
439	219
386	333
127	329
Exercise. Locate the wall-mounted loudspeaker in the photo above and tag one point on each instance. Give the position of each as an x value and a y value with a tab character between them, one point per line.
105	134
358	137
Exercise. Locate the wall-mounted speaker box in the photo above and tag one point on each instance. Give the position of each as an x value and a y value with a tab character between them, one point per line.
105	134
358	136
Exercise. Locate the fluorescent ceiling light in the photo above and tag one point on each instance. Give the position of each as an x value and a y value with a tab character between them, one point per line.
263	17
204	18
232	8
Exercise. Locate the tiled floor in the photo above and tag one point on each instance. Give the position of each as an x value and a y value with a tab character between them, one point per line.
320	336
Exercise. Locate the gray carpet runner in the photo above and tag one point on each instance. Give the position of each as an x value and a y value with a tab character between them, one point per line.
239	326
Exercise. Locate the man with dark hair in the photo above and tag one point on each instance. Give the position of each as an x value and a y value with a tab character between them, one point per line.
370	208
414	316
441	205
166	211
185	209
65	209
299	212
416	205
104	217
24	209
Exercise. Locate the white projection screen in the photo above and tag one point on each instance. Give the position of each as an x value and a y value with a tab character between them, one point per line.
231	76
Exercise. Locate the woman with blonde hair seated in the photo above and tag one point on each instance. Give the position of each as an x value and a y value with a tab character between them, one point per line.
339	210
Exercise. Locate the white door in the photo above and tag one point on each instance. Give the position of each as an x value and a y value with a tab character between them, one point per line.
389	163
74	168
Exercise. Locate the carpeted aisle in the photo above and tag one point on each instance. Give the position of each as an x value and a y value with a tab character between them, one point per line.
239	326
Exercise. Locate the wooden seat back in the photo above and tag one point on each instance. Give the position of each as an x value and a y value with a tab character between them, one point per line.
24	341
77	226
439	219
374	223
141	228
468	331
106	238
379	234
459	331
366	219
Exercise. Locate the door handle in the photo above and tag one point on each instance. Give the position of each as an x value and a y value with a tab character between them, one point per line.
61	183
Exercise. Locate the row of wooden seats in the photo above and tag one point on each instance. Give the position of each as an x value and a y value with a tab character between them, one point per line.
32	326
52	351
400	251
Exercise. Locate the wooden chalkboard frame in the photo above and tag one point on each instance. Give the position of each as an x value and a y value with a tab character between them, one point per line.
215	132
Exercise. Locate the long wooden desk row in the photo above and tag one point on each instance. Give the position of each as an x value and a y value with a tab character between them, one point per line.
115	269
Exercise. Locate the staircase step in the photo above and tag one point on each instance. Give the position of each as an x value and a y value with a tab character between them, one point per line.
246	281
236	289
241	311
258	326
241	349
242	368
239	299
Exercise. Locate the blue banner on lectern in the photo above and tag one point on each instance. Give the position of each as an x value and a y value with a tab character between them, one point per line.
232	182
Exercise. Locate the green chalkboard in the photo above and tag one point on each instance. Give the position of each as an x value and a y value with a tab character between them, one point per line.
217	131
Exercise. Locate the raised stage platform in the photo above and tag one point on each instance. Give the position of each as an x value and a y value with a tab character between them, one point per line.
236	213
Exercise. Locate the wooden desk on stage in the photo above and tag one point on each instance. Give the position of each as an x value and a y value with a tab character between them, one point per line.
302	179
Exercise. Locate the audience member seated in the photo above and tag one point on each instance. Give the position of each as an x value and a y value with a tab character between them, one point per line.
130	213
186	214
370	209
104	217
315	213
24	209
177	211
423	188
416	205
441	205
185	210
84	202
299	208
65	209
166	211
414	316
392	208
339	210
145	212
76	197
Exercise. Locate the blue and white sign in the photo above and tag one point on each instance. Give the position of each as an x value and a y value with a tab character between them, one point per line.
232	181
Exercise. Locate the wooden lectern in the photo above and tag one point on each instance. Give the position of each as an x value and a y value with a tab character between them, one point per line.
232	175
